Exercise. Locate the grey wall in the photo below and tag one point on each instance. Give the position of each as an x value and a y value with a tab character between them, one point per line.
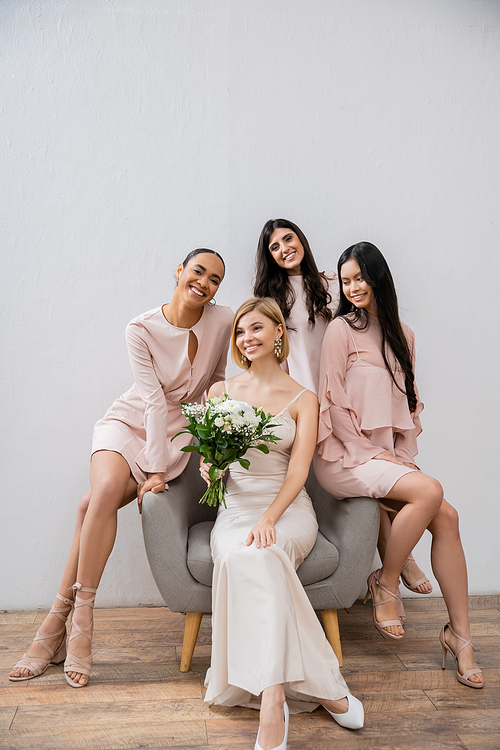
135	130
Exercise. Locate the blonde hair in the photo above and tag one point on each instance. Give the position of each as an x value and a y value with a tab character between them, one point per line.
271	310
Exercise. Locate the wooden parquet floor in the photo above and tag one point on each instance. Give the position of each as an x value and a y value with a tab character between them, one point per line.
137	697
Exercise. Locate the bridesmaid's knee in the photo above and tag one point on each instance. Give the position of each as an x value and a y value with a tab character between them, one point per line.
448	518
433	492
104	494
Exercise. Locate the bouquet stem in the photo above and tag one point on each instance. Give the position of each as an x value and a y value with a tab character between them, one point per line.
215	493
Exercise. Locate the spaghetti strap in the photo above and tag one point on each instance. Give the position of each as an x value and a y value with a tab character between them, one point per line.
294	399
350	333
225	387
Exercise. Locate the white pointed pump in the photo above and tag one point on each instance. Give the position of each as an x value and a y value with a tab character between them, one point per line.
283	744
354	717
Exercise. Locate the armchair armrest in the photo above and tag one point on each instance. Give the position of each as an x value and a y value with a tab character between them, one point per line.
166	519
352	526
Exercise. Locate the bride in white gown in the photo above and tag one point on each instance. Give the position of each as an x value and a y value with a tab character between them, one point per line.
269	650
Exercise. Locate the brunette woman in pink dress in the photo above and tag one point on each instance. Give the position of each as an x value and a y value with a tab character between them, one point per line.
177	352
369	422
287	272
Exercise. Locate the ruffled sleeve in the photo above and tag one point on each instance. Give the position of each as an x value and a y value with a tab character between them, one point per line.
405	442
154	456
339	433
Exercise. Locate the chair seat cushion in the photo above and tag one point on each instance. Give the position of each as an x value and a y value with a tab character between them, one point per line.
320	563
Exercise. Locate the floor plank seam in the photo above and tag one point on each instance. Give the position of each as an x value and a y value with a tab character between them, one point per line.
405	668
425	692
13	717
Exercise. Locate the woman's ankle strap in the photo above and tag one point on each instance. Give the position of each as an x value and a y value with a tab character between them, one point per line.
77	587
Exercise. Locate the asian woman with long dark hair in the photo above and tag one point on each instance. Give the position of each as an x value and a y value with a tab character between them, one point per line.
369	422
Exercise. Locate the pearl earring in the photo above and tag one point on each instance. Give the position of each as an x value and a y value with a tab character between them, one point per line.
278	346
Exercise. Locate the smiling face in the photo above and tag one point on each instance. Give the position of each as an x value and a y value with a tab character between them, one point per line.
255	334
355	288
287	250
200	279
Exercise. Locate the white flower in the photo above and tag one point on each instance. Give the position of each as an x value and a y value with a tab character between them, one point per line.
228	407
219	422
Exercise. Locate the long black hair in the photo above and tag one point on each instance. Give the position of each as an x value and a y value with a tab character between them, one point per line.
377	274
273	281
199	251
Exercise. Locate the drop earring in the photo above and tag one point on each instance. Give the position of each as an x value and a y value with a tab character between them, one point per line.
278	346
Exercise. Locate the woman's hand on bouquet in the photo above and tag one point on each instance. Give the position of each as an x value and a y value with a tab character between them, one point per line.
154	483
263	534
205	468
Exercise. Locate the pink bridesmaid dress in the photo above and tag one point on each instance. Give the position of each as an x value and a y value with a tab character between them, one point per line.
305	338
140	424
362	414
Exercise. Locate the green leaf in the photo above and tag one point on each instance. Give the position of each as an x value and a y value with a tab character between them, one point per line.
262	448
244	462
187	431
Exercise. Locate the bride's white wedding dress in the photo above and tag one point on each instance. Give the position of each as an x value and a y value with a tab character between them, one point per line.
264	629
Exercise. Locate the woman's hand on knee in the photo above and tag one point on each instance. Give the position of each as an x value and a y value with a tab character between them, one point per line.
154	483
387	456
263	534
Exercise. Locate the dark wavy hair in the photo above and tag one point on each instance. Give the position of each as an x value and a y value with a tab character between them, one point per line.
273	281
377	274
199	251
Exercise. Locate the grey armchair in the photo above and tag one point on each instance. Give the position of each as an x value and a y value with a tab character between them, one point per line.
177	530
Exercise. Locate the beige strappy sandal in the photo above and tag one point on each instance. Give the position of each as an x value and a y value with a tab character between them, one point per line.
381	626
38	665
413	585
80	664
463	678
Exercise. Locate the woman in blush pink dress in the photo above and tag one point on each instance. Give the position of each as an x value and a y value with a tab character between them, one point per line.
287	272
369	422
177	352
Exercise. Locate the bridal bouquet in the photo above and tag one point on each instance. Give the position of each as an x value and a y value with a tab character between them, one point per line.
223	431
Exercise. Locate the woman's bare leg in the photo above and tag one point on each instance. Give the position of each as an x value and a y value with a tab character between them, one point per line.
91	544
412	572
418	498
52	624
421	494
272	721
112	488
383	532
448	564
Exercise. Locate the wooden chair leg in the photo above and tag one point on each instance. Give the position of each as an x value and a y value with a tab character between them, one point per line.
191	630
331	625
